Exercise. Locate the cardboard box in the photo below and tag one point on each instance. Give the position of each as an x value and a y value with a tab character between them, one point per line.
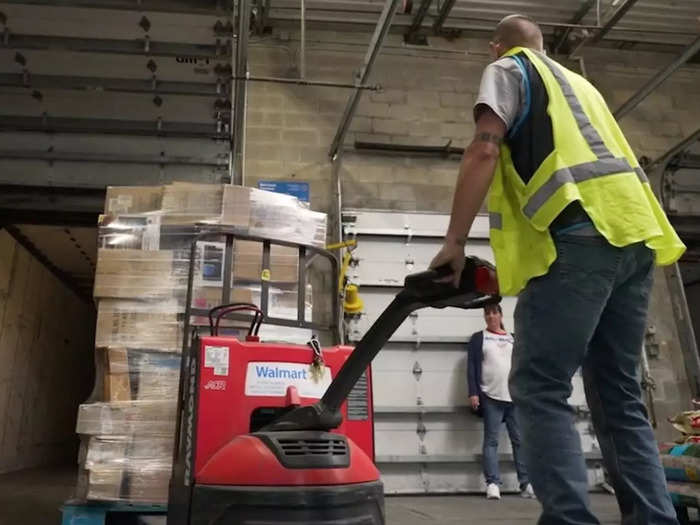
136	232
247	262
117	387
106	451
189	203
155	375
117	360
105	484
126	418
134	262
147	324
136	274
133	199
236	206
149	485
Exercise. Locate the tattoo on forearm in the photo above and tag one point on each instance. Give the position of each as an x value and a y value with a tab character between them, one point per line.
488	137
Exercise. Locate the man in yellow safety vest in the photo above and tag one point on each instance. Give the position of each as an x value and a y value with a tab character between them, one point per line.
575	230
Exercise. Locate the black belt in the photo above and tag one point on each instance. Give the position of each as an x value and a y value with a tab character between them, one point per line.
571	215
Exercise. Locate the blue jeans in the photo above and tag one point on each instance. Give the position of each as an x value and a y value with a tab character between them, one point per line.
589	311
495	414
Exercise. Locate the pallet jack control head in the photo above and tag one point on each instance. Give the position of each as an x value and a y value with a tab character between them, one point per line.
477	288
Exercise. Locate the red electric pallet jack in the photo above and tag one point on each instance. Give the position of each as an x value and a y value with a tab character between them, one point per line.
264	437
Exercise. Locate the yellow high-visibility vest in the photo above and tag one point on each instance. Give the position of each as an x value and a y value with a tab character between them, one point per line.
590	162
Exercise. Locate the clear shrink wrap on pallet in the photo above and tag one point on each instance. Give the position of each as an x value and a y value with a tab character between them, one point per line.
139	324
136	374
123	418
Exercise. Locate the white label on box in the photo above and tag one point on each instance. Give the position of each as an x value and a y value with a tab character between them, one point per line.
216	357
272	379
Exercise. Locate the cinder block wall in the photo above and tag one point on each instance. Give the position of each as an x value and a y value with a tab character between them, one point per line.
46	341
427	100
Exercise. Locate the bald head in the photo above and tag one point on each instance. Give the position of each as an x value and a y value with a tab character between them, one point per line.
518	31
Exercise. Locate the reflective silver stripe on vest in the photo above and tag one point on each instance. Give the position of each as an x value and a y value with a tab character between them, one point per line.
593	138
607	163
641	174
495	220
575	174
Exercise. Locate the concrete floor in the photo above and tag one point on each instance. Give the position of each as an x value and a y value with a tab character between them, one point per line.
33	497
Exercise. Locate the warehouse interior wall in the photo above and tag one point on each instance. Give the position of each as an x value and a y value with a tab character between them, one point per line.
46	348
427	99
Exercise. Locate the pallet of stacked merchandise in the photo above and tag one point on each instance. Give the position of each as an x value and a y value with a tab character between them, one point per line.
145	236
681	463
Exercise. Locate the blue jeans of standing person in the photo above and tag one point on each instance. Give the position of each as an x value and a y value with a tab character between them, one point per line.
495	414
589	311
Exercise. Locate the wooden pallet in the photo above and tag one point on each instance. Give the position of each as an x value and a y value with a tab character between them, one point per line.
96	512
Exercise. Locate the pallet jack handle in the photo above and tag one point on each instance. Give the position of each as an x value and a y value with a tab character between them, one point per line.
477	288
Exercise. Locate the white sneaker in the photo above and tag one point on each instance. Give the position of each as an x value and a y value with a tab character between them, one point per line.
528	492
492	491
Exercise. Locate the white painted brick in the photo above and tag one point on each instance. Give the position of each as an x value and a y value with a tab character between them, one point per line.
395	191
257	151
369	173
302	137
650	144
372	109
419	140
264	169
457	131
425	129
254	118
263	102
459	115
424	99
408	113
361	124
289	152
668	129
326	106
391	96
371	137
391	127
313	153
310	120
273	118
263	135
457	100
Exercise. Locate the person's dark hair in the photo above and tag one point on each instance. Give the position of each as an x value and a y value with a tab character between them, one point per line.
492	308
519	30
495	308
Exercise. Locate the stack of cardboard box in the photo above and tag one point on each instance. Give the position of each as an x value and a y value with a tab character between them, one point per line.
145	237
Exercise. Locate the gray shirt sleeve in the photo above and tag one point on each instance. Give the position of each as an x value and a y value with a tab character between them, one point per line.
502	90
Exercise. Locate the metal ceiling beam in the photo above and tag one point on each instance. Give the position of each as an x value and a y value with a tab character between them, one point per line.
240	67
157	6
417	24
142	47
443	13
576	19
658	79
79	157
375	45
607	26
62	276
121	85
112	127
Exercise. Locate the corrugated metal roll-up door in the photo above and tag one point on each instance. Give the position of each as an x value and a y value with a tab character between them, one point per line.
427	439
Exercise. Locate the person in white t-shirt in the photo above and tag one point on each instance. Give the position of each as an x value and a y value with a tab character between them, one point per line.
490	353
